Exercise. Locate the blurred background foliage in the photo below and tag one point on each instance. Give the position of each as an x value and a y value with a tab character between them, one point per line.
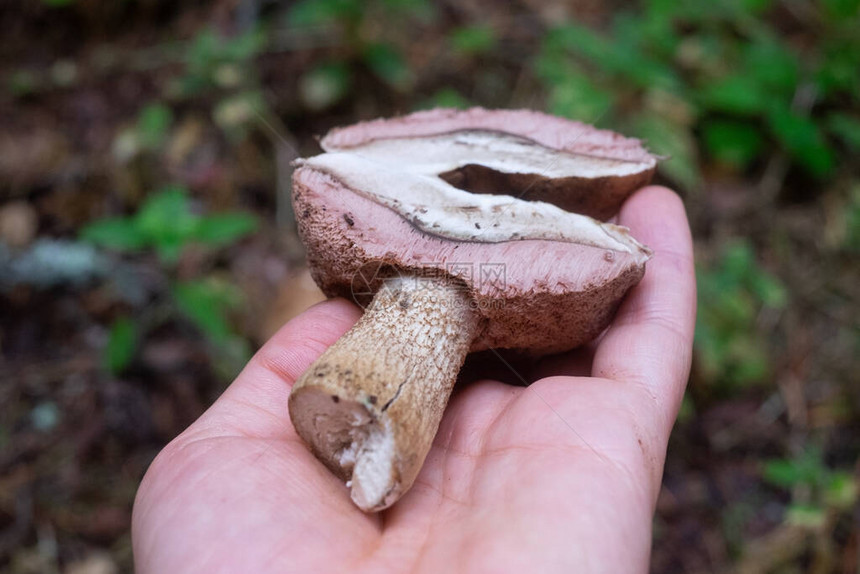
147	244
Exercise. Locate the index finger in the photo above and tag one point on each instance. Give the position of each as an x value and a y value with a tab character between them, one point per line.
650	342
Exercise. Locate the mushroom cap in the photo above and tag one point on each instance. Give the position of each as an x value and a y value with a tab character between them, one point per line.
543	279
597	195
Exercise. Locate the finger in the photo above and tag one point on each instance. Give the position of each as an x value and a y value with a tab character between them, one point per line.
256	403
650	341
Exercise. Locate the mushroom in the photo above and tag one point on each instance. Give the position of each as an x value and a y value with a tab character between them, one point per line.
457	231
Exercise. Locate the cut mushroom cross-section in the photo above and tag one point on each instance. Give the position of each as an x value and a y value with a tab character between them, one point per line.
450	270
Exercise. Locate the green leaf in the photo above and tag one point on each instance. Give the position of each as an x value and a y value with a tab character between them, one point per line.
205	303
732	142
169	249
388	64
658	26
409	6
166	206
552	66
224	228
585	42
837	74
636	58
749	360
842	9
784	473
803	139
737	310
167	222
771	64
153	122
118	233
121	345
662	10
575	96
731	350
22	82
770	290
675	141
58	3
738	261
321	12
213	59
201	55
846	127
755	7
476	39
244	47
807	468
740	95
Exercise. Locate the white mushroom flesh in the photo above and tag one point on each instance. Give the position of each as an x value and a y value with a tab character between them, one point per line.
401	173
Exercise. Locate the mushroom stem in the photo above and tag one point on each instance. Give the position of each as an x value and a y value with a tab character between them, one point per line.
370	406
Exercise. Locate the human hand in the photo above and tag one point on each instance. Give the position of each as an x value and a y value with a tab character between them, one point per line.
562	475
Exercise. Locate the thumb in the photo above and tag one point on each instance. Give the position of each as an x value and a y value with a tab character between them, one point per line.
256	403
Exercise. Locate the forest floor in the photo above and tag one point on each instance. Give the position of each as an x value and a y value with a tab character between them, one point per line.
762	467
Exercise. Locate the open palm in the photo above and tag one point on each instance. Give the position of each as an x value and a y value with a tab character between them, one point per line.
558	476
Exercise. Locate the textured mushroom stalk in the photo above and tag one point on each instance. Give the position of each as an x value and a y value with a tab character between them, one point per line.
370	406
